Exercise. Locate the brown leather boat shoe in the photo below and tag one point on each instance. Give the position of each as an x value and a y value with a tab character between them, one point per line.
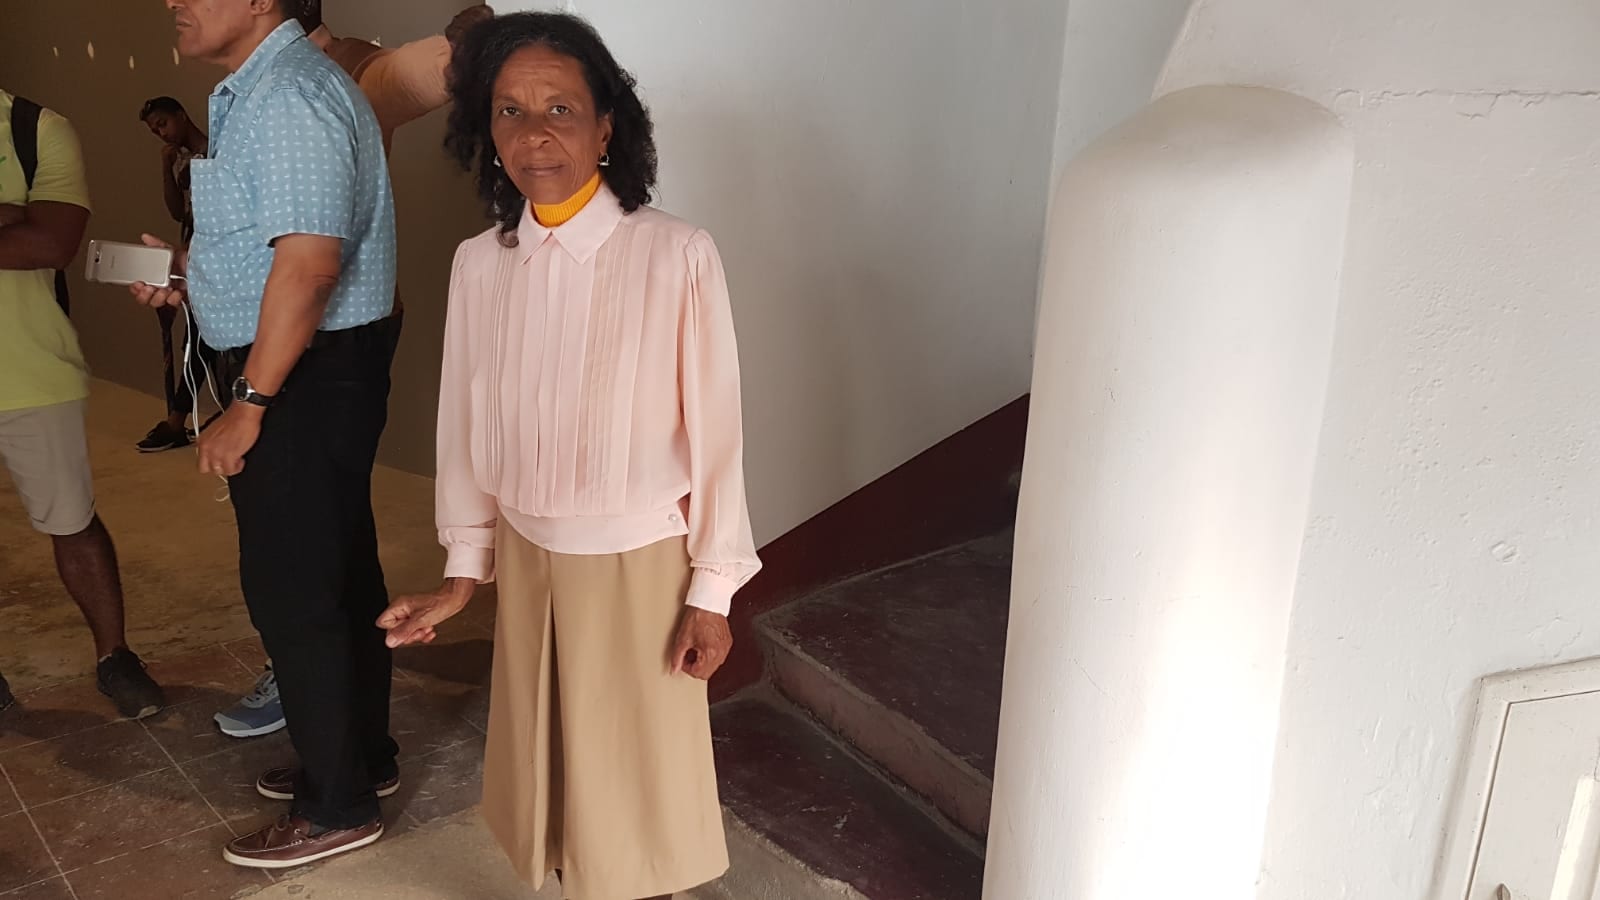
278	784
289	843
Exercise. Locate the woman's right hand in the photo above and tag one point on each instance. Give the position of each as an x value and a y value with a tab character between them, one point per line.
412	618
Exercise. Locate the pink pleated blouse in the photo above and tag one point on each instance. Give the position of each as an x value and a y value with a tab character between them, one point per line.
590	397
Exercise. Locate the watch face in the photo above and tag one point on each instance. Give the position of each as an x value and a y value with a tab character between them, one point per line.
241	389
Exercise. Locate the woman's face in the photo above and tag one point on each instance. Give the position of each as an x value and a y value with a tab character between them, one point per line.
546	128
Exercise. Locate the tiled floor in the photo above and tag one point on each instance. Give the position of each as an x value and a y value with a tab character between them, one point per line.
93	807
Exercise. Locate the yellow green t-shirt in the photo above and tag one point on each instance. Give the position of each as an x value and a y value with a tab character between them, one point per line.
41	363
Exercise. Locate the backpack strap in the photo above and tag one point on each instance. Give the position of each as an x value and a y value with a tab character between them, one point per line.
63	296
25	139
25	135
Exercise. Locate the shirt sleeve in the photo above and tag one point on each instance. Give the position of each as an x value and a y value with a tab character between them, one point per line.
721	548
408	82
308	159
60	177
465	515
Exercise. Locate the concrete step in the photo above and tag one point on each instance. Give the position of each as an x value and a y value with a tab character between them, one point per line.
906	664
830	811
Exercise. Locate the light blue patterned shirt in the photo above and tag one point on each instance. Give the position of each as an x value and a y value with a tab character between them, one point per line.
295	149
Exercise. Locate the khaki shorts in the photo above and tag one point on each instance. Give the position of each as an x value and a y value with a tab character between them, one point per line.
47	452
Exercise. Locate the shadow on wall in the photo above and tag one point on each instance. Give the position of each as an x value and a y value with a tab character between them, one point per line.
854	315
96	63
814	367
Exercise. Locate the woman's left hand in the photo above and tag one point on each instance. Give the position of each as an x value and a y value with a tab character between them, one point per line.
702	645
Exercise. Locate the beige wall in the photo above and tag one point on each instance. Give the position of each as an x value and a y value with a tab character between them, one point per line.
47	59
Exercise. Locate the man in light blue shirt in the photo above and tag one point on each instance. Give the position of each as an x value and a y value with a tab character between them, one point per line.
295	150
291	276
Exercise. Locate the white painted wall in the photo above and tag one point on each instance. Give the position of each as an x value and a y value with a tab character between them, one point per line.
1114	53
1171	448
1453	530
875	175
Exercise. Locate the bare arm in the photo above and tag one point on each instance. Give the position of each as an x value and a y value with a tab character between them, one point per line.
50	228
411	81
407	83
305	271
48	237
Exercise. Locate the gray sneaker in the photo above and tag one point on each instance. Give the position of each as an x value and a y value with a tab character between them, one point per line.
258	713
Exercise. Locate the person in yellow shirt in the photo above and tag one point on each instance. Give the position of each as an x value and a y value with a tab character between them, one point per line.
44	383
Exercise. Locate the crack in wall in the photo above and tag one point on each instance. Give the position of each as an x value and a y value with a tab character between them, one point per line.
1477	104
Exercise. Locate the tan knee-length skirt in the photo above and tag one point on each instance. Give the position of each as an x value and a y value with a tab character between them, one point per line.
599	761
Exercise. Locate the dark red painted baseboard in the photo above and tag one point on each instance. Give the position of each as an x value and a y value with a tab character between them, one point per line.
960	489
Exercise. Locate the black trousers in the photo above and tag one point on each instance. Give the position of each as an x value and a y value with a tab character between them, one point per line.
179	398
308	564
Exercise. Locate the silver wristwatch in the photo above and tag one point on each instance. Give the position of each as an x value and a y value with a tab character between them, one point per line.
245	392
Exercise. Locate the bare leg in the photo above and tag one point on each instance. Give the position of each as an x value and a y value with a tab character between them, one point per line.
172	380
87	562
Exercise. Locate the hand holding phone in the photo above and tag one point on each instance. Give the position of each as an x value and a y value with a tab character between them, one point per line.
162	293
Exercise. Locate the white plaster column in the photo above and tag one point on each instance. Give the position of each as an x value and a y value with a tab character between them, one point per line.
1186	327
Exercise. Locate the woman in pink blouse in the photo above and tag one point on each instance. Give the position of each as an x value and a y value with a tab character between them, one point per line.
590	460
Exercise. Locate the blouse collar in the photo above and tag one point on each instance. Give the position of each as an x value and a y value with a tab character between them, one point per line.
581	236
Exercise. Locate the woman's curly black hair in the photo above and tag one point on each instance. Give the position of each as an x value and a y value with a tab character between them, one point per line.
476	65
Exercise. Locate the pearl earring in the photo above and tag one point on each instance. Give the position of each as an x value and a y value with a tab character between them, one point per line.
497	163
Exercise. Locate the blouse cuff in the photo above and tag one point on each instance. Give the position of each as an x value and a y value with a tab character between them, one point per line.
711	592
466	561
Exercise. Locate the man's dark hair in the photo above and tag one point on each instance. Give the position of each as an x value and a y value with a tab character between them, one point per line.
309	12
477	63
166	105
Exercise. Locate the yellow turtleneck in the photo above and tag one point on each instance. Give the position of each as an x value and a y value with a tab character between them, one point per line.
557	214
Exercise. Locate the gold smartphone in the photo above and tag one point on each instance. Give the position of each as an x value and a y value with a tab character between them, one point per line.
111	262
